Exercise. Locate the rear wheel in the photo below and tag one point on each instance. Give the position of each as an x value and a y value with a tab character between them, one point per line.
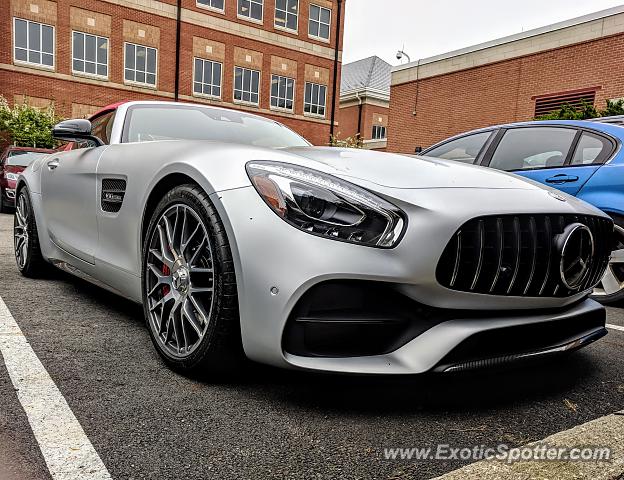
28	256
610	290
189	287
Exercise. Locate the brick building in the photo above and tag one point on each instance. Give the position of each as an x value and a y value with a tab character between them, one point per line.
364	101
511	79
273	57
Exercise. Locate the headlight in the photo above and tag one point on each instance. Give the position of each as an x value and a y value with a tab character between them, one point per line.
325	205
12	176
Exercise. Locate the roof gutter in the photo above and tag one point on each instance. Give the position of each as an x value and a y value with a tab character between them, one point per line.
335	86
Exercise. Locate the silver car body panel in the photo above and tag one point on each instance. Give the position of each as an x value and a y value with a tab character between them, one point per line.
438	197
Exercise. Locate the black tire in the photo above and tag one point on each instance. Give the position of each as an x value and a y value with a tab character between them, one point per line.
618	269
219	351
34	265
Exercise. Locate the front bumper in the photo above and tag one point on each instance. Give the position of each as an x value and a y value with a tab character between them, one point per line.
276	265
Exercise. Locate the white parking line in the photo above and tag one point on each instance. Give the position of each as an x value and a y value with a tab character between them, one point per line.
66	449
615	327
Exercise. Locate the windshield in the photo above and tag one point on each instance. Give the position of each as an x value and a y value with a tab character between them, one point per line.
146	123
24	159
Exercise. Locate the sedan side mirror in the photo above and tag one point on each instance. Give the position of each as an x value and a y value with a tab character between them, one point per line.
77	130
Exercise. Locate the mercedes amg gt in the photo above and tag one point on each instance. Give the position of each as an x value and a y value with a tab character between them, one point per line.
240	239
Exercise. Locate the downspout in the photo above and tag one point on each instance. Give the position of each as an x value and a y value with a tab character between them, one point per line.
333	110
176	91
360	105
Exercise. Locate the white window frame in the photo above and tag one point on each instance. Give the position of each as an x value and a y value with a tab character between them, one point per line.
379	129
134	82
210	7
310	114
310	20
249	18
26	62
86	74
284	27
271	97
205	95
245	102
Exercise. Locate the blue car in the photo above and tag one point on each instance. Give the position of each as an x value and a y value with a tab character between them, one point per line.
581	158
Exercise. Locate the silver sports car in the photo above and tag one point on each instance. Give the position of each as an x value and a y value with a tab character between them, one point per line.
241	239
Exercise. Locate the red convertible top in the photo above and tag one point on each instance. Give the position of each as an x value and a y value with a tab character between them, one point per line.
108	108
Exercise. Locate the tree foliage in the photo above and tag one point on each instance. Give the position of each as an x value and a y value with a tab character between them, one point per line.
27	126
585	111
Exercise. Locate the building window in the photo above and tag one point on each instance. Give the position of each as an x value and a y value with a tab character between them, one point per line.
315	99
287	14
140	63
246	85
34	43
90	54
207	78
379	132
320	21
251	9
549	103
214	4
282	92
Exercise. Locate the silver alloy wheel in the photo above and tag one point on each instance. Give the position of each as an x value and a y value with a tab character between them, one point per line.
179	280
613	280
20	232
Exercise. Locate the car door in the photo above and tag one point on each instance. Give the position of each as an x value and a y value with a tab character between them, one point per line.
69	189
557	156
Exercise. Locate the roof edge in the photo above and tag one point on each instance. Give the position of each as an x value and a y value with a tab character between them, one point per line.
609	12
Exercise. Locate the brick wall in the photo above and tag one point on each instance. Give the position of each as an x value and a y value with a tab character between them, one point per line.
371	114
128	20
434	108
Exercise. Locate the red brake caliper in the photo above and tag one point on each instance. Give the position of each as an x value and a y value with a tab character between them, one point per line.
166	271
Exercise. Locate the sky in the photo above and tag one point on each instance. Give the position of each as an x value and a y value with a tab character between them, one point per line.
424	28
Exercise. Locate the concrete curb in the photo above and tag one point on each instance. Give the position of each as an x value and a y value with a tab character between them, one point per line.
607	431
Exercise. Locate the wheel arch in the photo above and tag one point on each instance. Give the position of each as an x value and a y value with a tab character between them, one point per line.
157	192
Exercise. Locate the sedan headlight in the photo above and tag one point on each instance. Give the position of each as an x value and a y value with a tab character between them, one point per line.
12	176
325	205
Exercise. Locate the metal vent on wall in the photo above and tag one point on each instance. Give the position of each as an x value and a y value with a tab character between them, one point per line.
548	104
113	191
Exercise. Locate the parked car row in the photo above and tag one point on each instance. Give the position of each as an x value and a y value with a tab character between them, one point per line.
580	158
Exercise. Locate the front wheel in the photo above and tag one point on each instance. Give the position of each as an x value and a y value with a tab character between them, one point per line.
189	287
610	290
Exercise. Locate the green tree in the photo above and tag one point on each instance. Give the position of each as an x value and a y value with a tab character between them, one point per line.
27	126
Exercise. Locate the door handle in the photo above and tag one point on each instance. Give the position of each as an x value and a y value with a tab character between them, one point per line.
52	164
562	178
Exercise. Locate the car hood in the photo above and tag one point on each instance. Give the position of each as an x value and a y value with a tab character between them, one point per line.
401	171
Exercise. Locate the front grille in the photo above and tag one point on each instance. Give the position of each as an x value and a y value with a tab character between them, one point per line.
516	255
113	192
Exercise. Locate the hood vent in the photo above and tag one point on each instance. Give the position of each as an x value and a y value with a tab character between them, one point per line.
113	192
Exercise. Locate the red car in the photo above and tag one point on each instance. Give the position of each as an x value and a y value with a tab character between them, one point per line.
12	162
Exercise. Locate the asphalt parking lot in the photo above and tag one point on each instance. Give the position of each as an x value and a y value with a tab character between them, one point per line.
148	422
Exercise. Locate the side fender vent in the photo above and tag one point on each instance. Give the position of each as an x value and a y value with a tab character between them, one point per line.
113	191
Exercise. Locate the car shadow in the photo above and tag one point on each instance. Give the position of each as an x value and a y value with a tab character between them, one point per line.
480	390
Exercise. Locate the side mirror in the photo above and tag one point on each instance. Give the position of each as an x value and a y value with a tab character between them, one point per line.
77	130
